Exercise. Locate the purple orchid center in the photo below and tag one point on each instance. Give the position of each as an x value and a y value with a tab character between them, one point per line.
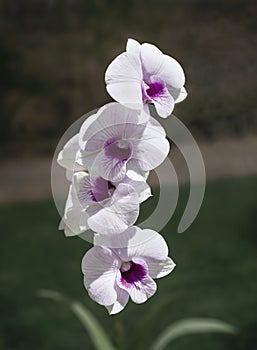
101	190
152	88
155	89
118	149
132	272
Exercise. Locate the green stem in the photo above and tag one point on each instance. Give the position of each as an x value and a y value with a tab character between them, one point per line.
119	332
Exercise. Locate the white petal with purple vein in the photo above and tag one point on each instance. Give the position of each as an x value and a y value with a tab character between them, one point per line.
83	186
143	290
112	169
164	103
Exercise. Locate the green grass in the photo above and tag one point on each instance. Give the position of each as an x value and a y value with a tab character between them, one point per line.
215	276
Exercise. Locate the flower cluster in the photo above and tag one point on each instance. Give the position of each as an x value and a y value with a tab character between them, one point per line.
107	164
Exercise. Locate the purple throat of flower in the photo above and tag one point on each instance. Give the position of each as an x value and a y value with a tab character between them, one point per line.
153	91
132	272
101	190
118	149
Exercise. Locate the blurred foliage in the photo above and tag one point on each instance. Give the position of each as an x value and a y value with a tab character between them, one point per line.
175	330
91	325
54	53
214	276
190	326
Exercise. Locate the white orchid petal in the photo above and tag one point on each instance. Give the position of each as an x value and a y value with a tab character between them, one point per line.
128	94
111	169
164	103
135	242
69	174
117	214
68	155
178	94
143	290
99	266
160	269
146	108
144	115
125	67
172	73
66	158
134	171
133	46
86	159
82	186
152	60
83	129
71	221
154	129
154	246
151	150
142	189
120	303
125	72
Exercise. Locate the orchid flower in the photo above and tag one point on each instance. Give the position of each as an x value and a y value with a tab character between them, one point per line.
142	75
119	141
101	205
68	155
112	275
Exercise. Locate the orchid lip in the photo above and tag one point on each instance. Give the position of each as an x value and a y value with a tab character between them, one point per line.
118	149
152	90
101	190
132	272
155	89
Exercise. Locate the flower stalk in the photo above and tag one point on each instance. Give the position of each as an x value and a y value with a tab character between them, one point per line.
119	330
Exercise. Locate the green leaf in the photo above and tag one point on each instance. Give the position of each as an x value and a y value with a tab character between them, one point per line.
191	326
97	334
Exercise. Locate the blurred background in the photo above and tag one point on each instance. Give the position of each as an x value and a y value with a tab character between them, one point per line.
53	55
